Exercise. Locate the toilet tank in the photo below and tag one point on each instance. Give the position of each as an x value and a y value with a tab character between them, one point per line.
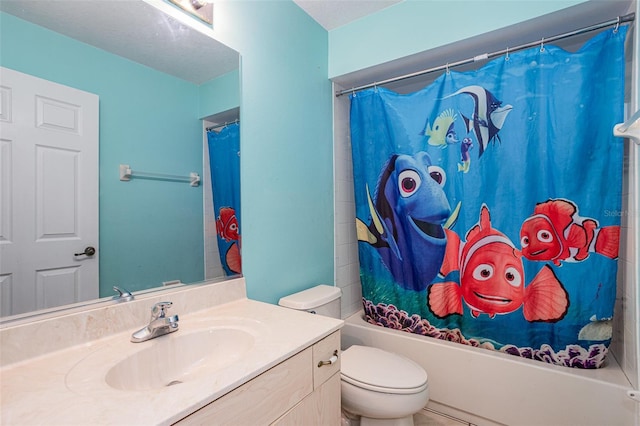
322	300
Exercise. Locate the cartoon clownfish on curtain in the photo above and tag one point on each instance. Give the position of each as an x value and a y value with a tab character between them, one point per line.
492	279
228	230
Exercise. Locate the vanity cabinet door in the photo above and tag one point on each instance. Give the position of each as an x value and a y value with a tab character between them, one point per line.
321	408
295	392
261	400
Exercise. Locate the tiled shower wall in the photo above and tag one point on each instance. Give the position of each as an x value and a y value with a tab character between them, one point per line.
625	319
626	328
347	267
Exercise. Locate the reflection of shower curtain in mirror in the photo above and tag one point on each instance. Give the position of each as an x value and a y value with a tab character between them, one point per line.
224	160
488	203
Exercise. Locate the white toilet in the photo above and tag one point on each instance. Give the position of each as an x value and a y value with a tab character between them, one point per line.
378	387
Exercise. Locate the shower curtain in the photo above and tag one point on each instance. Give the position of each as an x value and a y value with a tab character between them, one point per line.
488	203
224	161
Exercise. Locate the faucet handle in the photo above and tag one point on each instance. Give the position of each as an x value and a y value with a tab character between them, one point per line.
158	310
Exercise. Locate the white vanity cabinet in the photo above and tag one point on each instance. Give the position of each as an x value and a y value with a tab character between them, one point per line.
298	391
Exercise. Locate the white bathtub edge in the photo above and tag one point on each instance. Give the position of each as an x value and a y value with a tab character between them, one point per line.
525	392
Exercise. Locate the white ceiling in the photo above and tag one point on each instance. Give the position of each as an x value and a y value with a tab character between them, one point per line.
135	30
142	33
335	13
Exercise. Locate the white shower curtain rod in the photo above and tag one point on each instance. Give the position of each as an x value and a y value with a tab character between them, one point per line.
617	21
226	123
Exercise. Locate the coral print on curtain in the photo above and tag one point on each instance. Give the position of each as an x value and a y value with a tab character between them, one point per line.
488	203
224	161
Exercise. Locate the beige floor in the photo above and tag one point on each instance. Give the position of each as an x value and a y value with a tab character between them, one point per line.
429	418
423	418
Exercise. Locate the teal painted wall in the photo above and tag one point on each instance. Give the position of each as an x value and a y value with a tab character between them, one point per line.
220	94
286	144
149	230
286	117
414	26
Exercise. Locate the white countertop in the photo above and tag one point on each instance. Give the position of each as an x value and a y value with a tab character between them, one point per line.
65	387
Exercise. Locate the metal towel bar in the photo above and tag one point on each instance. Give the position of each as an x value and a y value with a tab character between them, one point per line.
126	174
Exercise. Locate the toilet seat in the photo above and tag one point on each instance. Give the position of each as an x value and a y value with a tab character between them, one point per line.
381	371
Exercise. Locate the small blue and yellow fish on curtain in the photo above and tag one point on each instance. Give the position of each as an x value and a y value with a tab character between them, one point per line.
484	200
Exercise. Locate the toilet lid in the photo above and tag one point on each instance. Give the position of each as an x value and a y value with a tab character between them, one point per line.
381	371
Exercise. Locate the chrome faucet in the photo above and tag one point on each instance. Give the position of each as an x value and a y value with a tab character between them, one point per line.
159	324
123	295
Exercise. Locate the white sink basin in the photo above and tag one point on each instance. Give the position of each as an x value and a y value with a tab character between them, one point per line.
174	359
200	349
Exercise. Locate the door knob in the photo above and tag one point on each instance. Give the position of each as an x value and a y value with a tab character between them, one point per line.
89	251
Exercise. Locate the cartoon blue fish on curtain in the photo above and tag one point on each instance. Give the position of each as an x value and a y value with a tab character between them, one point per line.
484	200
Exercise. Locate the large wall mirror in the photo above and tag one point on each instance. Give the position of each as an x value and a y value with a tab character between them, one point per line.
159	80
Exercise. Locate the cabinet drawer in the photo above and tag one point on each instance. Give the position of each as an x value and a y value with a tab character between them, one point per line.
323	351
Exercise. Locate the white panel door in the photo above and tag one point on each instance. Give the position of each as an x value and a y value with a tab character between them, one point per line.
48	194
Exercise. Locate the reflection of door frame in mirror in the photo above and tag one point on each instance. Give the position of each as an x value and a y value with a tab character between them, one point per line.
49	194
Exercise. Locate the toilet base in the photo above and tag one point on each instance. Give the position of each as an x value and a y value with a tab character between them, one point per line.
379	408
349	419
405	421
